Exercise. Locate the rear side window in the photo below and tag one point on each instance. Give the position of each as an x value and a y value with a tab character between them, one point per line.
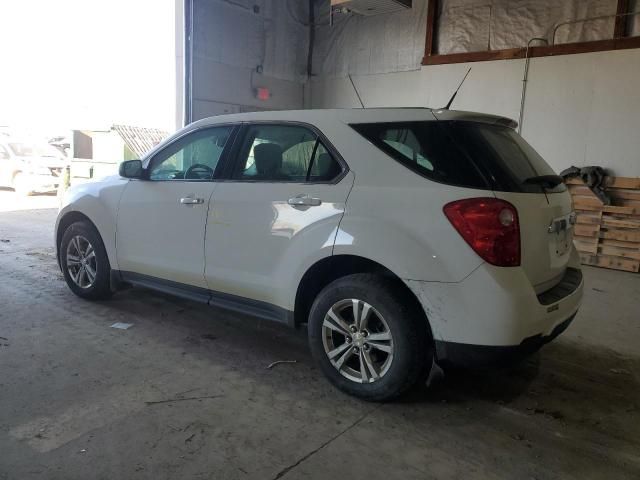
428	148
284	153
466	154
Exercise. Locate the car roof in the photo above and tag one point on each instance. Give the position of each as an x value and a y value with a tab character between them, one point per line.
355	115
322	118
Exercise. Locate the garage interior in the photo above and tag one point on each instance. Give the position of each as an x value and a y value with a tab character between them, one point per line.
193	392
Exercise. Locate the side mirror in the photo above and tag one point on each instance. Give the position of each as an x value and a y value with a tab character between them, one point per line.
131	169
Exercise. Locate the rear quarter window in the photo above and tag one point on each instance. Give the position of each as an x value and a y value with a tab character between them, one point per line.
427	148
461	153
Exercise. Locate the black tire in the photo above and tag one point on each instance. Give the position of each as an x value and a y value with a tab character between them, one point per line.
100	288
412	343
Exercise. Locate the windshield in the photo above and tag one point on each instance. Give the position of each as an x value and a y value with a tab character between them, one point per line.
462	153
33	150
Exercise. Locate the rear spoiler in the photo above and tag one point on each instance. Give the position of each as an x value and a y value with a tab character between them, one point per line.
474	117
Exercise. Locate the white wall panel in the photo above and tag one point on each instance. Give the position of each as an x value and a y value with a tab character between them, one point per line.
580	109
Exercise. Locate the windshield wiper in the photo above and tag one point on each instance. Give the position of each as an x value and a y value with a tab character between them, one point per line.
547	181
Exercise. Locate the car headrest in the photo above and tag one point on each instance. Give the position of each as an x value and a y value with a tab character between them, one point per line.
268	158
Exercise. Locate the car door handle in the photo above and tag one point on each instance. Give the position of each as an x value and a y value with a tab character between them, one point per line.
304	201
191	201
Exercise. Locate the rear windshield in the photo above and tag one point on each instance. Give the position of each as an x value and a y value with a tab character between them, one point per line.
466	154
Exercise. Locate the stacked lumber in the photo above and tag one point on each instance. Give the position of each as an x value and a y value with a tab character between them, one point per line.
608	235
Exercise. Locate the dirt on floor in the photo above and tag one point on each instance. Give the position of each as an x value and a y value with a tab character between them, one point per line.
186	392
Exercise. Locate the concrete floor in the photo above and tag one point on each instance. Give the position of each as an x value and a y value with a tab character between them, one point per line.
185	392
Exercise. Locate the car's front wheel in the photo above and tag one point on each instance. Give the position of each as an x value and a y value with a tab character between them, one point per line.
367	338
21	185
84	262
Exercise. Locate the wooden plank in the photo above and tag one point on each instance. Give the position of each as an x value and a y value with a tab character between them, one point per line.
615	263
622	193
587	207
613	222
586	230
542	51
620	243
590	218
587	203
464	57
572	48
632	183
620	28
620	210
581	190
623	202
587	239
432	26
623	182
584	245
618	252
624	235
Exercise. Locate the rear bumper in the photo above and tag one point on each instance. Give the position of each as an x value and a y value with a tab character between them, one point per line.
495	314
482	356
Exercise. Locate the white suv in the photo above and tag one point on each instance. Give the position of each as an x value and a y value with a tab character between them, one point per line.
29	167
400	236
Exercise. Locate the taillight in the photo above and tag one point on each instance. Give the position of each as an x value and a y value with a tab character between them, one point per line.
490	226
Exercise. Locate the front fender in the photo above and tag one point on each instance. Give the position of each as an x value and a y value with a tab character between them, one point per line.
98	201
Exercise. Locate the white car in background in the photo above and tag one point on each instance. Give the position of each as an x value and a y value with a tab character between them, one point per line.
30	167
402	237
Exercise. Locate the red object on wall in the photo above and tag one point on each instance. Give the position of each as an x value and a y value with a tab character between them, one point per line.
262	93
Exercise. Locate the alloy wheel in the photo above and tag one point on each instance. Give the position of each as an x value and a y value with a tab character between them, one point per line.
357	340
81	261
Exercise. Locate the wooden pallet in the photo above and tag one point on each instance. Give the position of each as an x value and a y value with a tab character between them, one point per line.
608	235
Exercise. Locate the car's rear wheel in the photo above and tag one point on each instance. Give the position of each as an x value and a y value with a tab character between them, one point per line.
84	262
368	339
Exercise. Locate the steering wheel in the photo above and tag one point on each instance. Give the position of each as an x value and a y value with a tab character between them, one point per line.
199	171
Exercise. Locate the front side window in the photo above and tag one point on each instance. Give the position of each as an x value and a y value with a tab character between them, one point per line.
194	157
284	153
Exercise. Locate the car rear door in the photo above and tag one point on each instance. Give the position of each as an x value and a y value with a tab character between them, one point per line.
278	209
162	218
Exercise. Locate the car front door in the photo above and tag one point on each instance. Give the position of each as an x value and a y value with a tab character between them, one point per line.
162	217
277	209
